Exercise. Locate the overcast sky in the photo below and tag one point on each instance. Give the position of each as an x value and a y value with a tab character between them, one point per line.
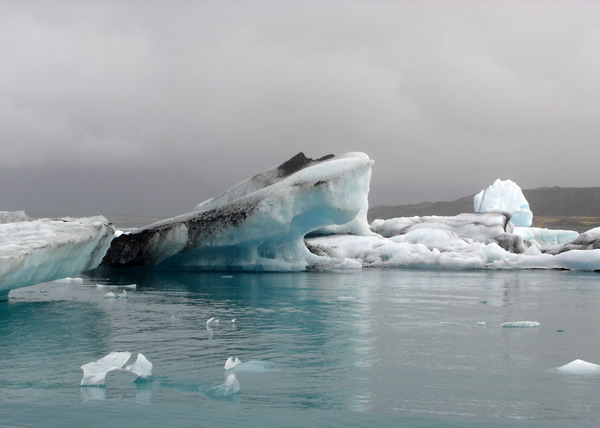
150	107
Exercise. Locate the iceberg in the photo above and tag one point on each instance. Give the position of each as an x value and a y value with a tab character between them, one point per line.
260	224
310	214
579	367
505	197
48	249
94	373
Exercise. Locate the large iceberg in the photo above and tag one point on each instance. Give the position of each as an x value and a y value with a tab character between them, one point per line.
311	214
48	249
259	224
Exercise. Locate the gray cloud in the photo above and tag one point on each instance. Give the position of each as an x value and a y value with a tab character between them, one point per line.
151	107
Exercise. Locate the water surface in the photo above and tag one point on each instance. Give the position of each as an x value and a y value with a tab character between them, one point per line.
362	348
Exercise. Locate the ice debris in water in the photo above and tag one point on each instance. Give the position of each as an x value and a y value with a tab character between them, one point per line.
111	295
212	320
234	363
520	324
231	362
94	373
128	286
579	367
229	388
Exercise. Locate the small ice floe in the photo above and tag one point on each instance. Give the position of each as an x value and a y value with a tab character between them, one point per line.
346	298
111	295
579	367
520	324
481	323
233	321
235	364
231	362
128	287
227	389
211	321
226	276
94	373
69	279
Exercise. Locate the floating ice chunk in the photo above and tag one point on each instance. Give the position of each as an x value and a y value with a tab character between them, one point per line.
94	373
230	387
579	367
520	324
237	365
233	321
129	286
212	320
110	295
69	279
505	197
142	367
231	362
482	323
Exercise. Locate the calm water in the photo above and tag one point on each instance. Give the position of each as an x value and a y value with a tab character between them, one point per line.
366	348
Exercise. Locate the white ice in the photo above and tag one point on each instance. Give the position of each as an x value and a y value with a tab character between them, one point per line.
358	225
13	216
520	324
48	249
543	237
141	367
235	364
231	362
264	229
505	197
94	373
579	367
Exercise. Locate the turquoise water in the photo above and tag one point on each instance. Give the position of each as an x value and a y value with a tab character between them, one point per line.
364	348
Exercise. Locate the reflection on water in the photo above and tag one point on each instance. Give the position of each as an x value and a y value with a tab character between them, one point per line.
391	345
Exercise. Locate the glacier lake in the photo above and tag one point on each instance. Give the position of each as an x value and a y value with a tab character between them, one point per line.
371	347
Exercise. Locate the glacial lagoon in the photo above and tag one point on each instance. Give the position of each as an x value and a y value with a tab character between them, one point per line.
370	347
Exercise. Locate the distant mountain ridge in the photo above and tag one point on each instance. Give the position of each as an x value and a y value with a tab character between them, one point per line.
544	201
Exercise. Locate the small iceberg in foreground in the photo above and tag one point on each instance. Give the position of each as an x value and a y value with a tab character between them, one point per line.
579	367
94	373
520	324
